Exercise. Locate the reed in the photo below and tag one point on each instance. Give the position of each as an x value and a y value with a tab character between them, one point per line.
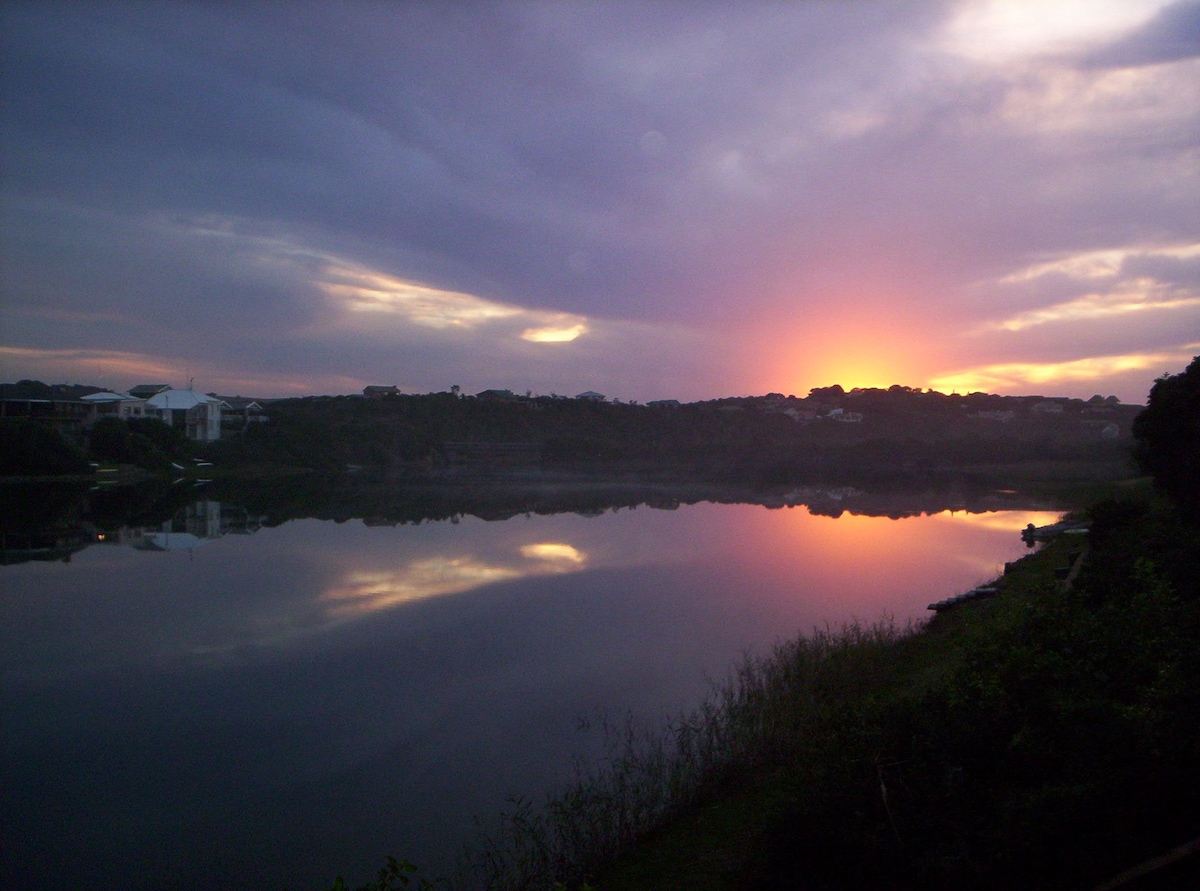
769	710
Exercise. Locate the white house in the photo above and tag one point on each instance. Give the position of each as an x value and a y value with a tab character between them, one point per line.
197	415
113	405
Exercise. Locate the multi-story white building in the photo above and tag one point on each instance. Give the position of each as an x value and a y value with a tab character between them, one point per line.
197	415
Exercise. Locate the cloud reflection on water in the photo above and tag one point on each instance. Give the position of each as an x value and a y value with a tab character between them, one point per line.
360	592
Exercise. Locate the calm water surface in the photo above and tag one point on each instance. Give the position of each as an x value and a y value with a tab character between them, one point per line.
270	709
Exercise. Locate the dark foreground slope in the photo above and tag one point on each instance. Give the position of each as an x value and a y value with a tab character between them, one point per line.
1046	738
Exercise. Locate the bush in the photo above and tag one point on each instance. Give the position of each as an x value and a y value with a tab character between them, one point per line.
166	439
29	448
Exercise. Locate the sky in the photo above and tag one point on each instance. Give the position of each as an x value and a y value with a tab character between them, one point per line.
652	200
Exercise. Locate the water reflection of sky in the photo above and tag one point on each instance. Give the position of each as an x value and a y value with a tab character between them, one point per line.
409	675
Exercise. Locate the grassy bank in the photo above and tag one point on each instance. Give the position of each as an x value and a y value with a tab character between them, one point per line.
1043	738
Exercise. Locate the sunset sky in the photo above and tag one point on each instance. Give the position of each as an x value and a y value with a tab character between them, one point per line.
652	200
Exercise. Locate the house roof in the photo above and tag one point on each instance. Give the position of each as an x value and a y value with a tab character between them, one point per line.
237	403
107	396
180	399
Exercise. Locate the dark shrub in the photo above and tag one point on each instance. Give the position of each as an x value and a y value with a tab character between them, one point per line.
29	448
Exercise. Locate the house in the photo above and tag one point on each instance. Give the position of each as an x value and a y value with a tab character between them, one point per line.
378	392
663	403
239	412
196	414
68	415
801	415
591	396
113	405
497	395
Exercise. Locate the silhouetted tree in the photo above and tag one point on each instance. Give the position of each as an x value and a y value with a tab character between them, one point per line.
1167	435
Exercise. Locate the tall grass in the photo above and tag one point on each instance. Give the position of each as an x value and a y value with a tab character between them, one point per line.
770	709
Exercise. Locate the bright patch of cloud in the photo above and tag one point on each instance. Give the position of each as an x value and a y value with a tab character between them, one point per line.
554	551
1019	376
360	289
998	31
367	291
552	334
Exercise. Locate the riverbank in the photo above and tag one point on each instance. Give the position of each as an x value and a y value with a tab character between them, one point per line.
1045	737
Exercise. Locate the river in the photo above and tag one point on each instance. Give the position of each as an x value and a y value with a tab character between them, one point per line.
213	702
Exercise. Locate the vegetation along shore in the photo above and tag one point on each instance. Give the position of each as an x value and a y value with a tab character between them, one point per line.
1044	737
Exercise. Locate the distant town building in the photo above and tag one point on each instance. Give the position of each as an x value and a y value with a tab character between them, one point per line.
1002	416
663	403
497	395
378	392
1048	407
591	396
196	414
239	412
801	415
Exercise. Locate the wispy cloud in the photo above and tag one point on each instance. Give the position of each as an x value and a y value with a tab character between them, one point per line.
85	365
119	370
365	291
1117	280
1098	264
1019	377
359	289
1150	296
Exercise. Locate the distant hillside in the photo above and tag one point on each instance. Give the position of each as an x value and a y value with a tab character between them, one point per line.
830	434
864	435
